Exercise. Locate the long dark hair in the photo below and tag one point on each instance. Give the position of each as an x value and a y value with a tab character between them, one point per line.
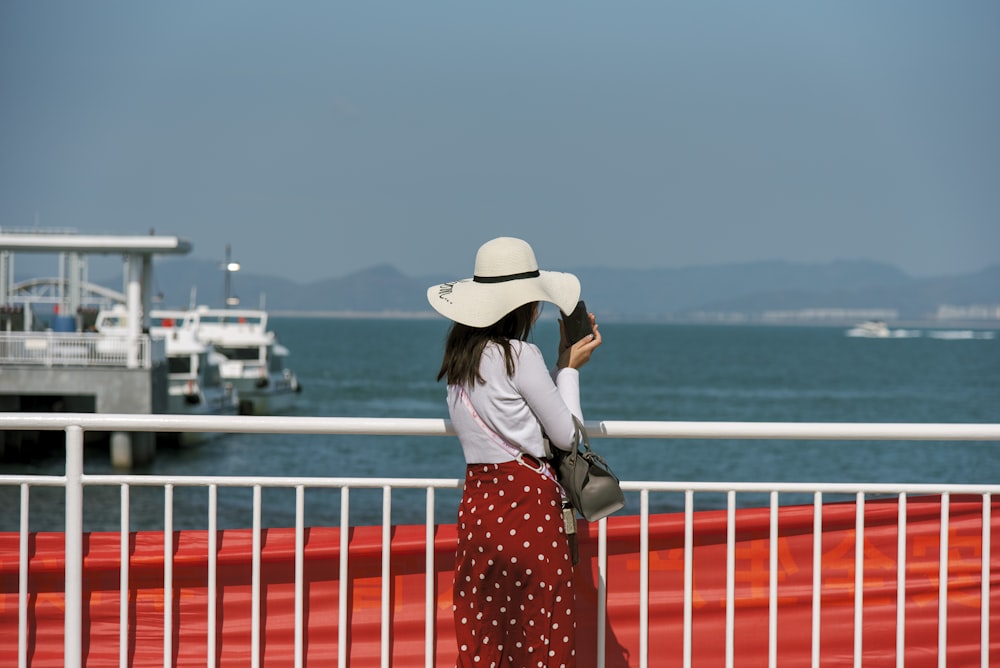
464	346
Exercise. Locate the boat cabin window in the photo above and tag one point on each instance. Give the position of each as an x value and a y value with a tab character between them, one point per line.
179	364
240	353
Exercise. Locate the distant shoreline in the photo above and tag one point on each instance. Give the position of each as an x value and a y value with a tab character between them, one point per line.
355	315
748	321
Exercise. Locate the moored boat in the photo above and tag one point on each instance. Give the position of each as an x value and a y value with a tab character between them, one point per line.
254	360
195	383
872	329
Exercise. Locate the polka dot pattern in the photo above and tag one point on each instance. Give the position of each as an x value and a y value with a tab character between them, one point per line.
514	604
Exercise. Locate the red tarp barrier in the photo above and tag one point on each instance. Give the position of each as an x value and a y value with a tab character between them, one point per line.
189	592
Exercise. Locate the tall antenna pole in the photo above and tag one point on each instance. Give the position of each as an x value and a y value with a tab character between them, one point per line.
228	281
229	268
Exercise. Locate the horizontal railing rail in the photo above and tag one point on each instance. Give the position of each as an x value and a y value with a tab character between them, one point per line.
374	426
68	349
75	479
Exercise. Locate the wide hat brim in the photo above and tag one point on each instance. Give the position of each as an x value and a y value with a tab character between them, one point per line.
481	304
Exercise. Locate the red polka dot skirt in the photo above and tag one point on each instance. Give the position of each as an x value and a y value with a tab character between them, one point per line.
513	594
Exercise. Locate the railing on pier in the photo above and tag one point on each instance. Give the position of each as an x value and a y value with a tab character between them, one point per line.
74	349
948	540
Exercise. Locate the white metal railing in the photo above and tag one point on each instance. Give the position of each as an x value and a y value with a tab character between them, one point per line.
71	349
75	480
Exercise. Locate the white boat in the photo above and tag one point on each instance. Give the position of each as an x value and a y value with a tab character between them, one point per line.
872	329
195	383
254	360
876	329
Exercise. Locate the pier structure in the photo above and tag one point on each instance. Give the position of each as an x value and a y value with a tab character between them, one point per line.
51	359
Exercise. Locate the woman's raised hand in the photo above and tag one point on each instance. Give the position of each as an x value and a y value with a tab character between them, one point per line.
579	353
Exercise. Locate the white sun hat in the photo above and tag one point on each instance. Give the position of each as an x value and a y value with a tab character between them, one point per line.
506	276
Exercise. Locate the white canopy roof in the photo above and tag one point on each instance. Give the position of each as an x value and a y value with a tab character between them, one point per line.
23	242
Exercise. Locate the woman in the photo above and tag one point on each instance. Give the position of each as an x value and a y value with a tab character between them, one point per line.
513	596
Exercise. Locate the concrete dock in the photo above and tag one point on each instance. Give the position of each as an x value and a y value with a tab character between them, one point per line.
50	362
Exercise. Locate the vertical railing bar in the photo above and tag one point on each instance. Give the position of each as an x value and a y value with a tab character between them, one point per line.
602	588
342	618
73	621
730	578
300	538
985	595
168	574
213	571
430	600
943	582
859	578
123	577
644	578
817	582
386	575
688	573
901	582
255	581
22	581
772	599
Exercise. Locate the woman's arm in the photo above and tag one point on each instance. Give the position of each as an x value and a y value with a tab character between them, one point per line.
553	402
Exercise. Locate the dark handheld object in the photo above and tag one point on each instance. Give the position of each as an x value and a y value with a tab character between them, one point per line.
577	323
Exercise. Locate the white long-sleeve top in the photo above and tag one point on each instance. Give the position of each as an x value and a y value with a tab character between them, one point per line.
519	408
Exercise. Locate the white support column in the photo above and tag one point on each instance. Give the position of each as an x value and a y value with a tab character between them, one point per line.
133	306
74	284
147	290
6	270
63	288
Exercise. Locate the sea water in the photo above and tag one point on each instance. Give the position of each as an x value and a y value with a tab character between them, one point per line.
387	368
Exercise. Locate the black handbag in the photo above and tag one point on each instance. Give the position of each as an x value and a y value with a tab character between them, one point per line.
590	484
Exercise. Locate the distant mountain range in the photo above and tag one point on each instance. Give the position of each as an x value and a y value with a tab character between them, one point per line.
750	291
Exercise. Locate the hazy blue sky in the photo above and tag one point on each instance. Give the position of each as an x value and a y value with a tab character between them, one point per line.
319	138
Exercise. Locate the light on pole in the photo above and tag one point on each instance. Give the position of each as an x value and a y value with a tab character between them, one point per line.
230	267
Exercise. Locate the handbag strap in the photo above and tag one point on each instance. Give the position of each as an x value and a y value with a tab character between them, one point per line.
581	438
511	449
